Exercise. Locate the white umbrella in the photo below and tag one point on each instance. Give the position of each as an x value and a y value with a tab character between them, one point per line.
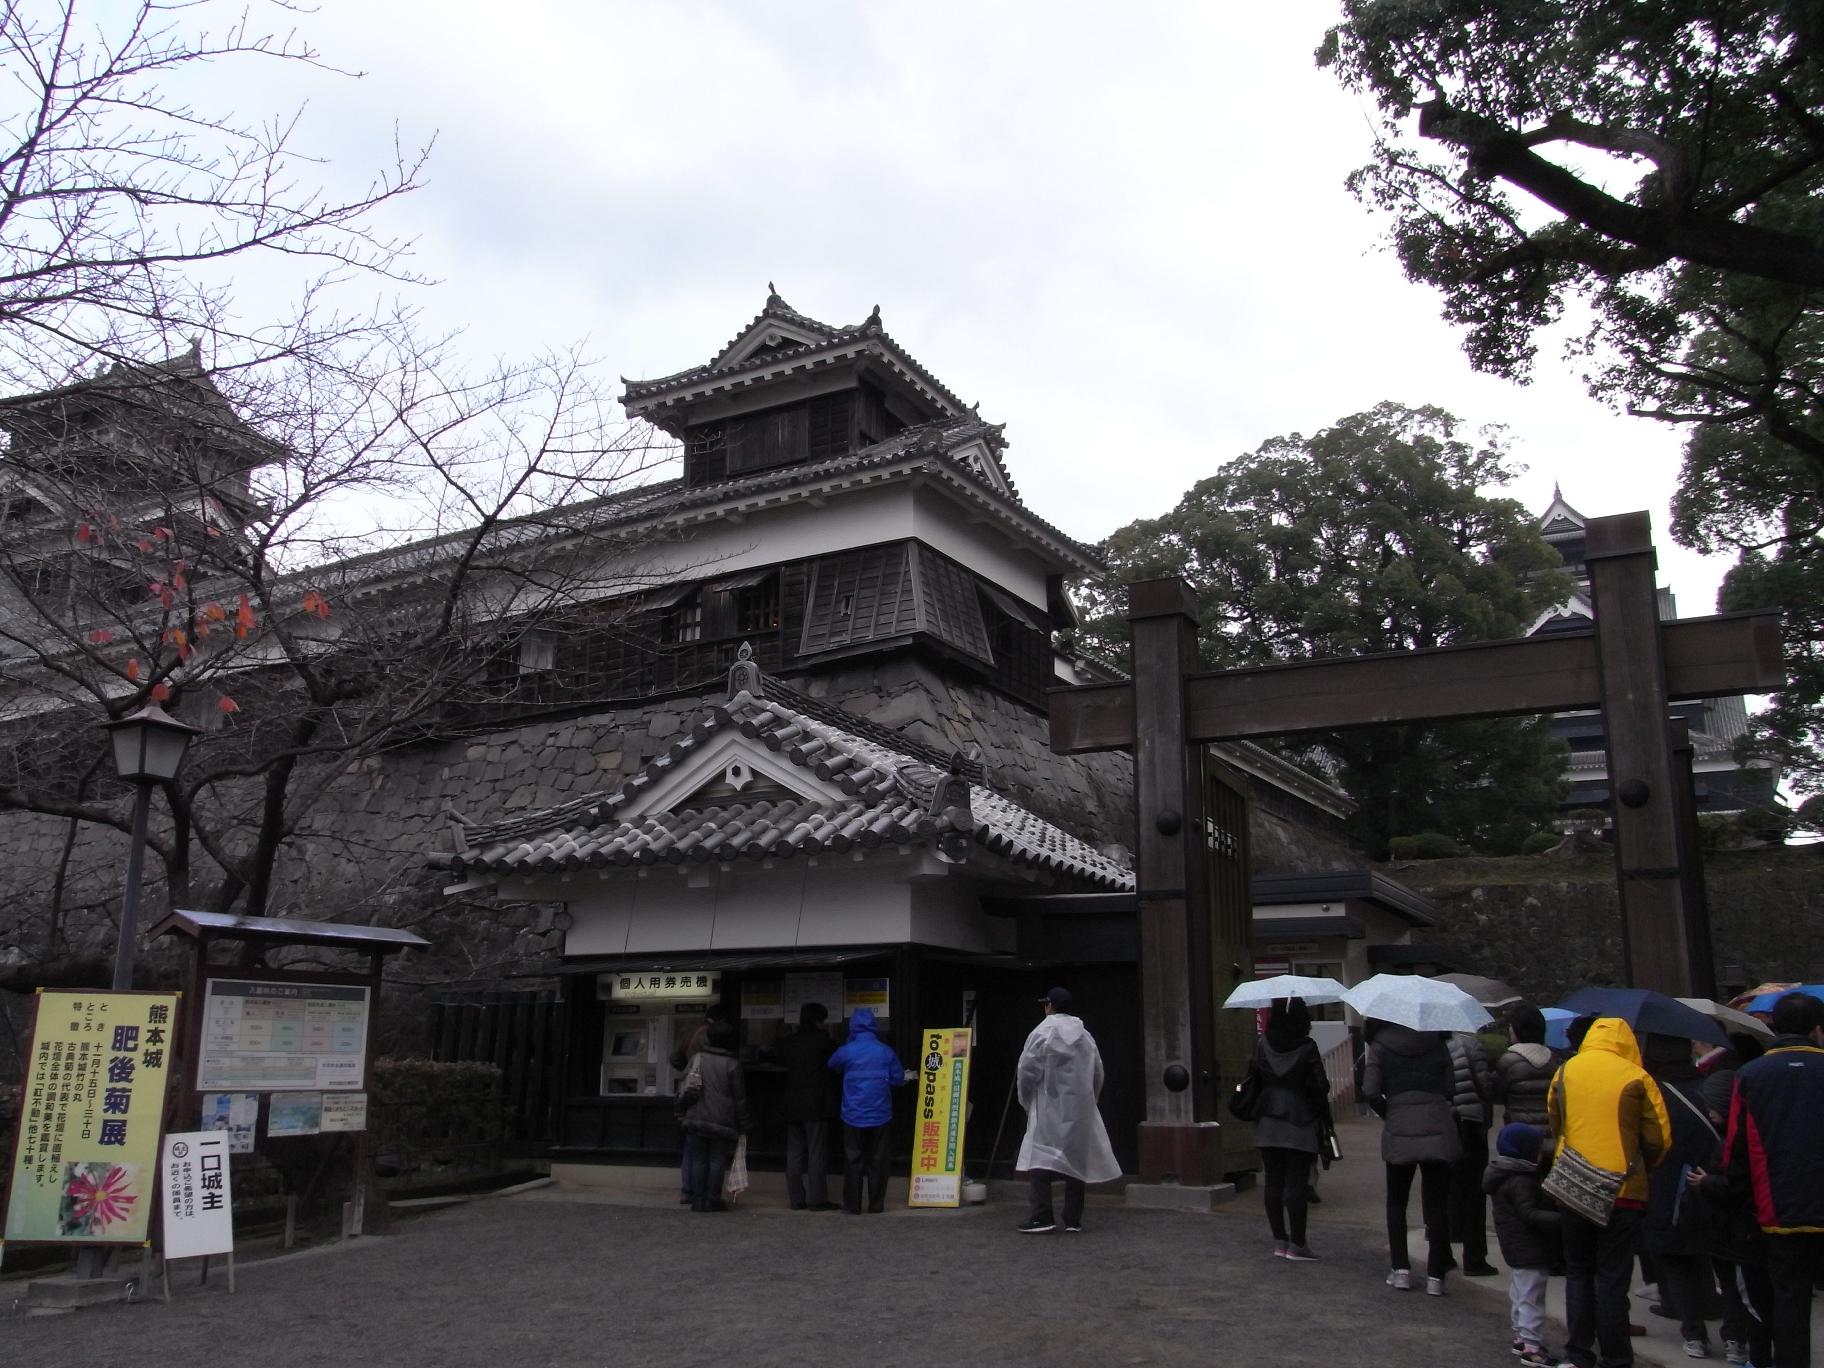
1730	1019
1417	1002
1259	993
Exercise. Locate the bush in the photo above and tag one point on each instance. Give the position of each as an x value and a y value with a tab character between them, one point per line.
1593	818
1540	842
436	1116
1715	831
1427	845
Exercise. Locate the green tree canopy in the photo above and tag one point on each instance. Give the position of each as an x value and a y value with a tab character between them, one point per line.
1660	167
1372	535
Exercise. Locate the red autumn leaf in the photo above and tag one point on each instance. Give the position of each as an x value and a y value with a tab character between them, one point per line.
227	705
178	581
161	692
214	612
184	653
133	670
316	604
243	619
162	533
101	636
144	546
84	532
213	531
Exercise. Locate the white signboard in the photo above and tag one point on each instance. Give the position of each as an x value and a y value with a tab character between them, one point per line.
237	1114
283	1037
344	1112
689	985
803	988
198	1203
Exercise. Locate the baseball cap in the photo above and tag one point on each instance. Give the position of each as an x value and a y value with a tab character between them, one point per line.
1058	998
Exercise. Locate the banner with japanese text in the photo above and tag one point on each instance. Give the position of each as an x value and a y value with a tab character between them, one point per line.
86	1147
943	1109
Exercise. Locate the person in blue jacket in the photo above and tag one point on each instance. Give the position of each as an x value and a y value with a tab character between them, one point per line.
870	1071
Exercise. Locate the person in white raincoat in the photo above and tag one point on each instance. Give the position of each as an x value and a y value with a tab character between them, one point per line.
1060	1077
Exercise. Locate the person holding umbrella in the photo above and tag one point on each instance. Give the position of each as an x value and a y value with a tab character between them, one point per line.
1294	1118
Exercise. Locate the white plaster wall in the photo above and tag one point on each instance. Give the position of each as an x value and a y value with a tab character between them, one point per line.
744	909
947	912
982	546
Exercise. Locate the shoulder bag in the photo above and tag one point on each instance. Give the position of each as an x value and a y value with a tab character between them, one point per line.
1246	1099
1582	1188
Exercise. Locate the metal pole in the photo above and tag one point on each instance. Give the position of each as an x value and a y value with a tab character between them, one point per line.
93	1263
128	949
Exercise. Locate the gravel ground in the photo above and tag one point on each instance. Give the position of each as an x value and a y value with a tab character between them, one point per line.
544	1278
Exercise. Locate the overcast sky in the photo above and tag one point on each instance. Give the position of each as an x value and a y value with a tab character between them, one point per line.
1122	230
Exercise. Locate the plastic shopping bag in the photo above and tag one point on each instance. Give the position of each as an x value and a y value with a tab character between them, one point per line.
735	1183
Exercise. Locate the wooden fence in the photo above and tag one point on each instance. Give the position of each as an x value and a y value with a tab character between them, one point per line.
523	1035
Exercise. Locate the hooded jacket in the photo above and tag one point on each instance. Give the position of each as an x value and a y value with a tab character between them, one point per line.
1603	1104
1772	1151
1523	1076
1059	1079
870	1071
1526	1221
1408	1080
1472	1080
1295	1105
717	1108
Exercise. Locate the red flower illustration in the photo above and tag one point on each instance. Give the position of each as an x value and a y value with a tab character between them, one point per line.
96	1204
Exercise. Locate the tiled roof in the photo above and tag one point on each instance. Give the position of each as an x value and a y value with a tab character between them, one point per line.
776	308
886	796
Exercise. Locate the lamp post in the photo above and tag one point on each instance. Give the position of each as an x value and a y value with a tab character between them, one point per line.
148	747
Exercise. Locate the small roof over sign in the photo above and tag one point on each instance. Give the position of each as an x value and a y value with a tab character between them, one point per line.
382	940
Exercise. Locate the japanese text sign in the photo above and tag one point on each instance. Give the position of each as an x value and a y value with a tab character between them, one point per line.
938	1121
198	1200
85	1153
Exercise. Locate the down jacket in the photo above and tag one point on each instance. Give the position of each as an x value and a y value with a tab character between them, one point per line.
1523	1076
1605	1106
1472	1081
870	1071
1407	1079
1526	1221
717	1107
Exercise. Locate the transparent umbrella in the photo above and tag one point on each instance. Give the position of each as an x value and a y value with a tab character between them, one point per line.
1259	993
1420	1003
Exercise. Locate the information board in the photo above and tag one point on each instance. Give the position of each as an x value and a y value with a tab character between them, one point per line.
85	1152
197	1196
261	1036
943	1110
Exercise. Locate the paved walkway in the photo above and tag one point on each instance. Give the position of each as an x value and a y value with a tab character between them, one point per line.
556	1278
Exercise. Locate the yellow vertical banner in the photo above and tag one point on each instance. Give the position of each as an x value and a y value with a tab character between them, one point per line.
86	1143
943	1109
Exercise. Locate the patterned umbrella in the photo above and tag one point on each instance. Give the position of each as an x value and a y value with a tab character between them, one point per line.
1764	1003
1418	1002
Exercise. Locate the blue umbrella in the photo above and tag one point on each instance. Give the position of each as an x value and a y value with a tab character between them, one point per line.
1558	1026
1764	1003
1646	1011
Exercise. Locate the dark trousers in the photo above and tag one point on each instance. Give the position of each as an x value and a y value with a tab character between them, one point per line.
705	1166
1600	1260
1686	1286
1434	1204
864	1161
807	1161
1747	1307
1468	1203
1287	1186
1074	1189
1794	1265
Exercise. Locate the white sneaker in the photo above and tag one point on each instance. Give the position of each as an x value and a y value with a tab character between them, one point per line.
1434	1287
1400	1280
1695	1348
1649	1292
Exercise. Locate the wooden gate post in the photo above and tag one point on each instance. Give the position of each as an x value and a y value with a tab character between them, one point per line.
1179	1138
1656	933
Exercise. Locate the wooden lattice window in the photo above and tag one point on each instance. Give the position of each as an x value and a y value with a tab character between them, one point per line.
705	453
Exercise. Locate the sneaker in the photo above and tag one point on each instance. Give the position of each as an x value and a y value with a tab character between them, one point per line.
1537	1356
1300	1254
1735	1351
1434	1287
1648	1292
1517	1346
1073	1229
1036	1227
1400	1280
1697	1349
1279	1249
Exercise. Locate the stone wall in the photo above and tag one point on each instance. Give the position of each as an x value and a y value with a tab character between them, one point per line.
1548	924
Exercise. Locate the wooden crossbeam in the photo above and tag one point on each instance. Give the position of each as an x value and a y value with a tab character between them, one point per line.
1559	672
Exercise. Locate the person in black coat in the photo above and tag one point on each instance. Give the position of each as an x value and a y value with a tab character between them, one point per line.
1527	1225
1676	1232
1294	1119
810	1102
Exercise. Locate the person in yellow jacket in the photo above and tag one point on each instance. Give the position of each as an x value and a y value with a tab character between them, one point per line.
1604	1105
